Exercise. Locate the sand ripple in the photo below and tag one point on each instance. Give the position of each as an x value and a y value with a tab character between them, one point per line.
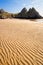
21	44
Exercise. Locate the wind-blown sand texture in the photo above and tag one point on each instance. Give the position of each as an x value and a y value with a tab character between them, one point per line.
21	42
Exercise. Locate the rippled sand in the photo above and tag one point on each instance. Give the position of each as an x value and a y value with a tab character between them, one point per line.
21	42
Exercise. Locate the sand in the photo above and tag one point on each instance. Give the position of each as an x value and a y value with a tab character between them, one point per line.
21	42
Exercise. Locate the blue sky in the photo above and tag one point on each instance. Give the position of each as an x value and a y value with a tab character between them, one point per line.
15	6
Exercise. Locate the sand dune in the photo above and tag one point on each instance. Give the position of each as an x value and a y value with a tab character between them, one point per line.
21	42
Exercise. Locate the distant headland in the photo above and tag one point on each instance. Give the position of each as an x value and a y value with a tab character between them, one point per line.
24	14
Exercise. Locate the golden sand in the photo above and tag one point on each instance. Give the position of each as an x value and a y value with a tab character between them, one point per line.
21	42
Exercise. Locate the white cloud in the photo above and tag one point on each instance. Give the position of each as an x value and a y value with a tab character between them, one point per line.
24	5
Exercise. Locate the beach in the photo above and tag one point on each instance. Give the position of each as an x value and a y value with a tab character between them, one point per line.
21	42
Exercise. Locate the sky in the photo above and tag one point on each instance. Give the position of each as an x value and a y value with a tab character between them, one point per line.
15	6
